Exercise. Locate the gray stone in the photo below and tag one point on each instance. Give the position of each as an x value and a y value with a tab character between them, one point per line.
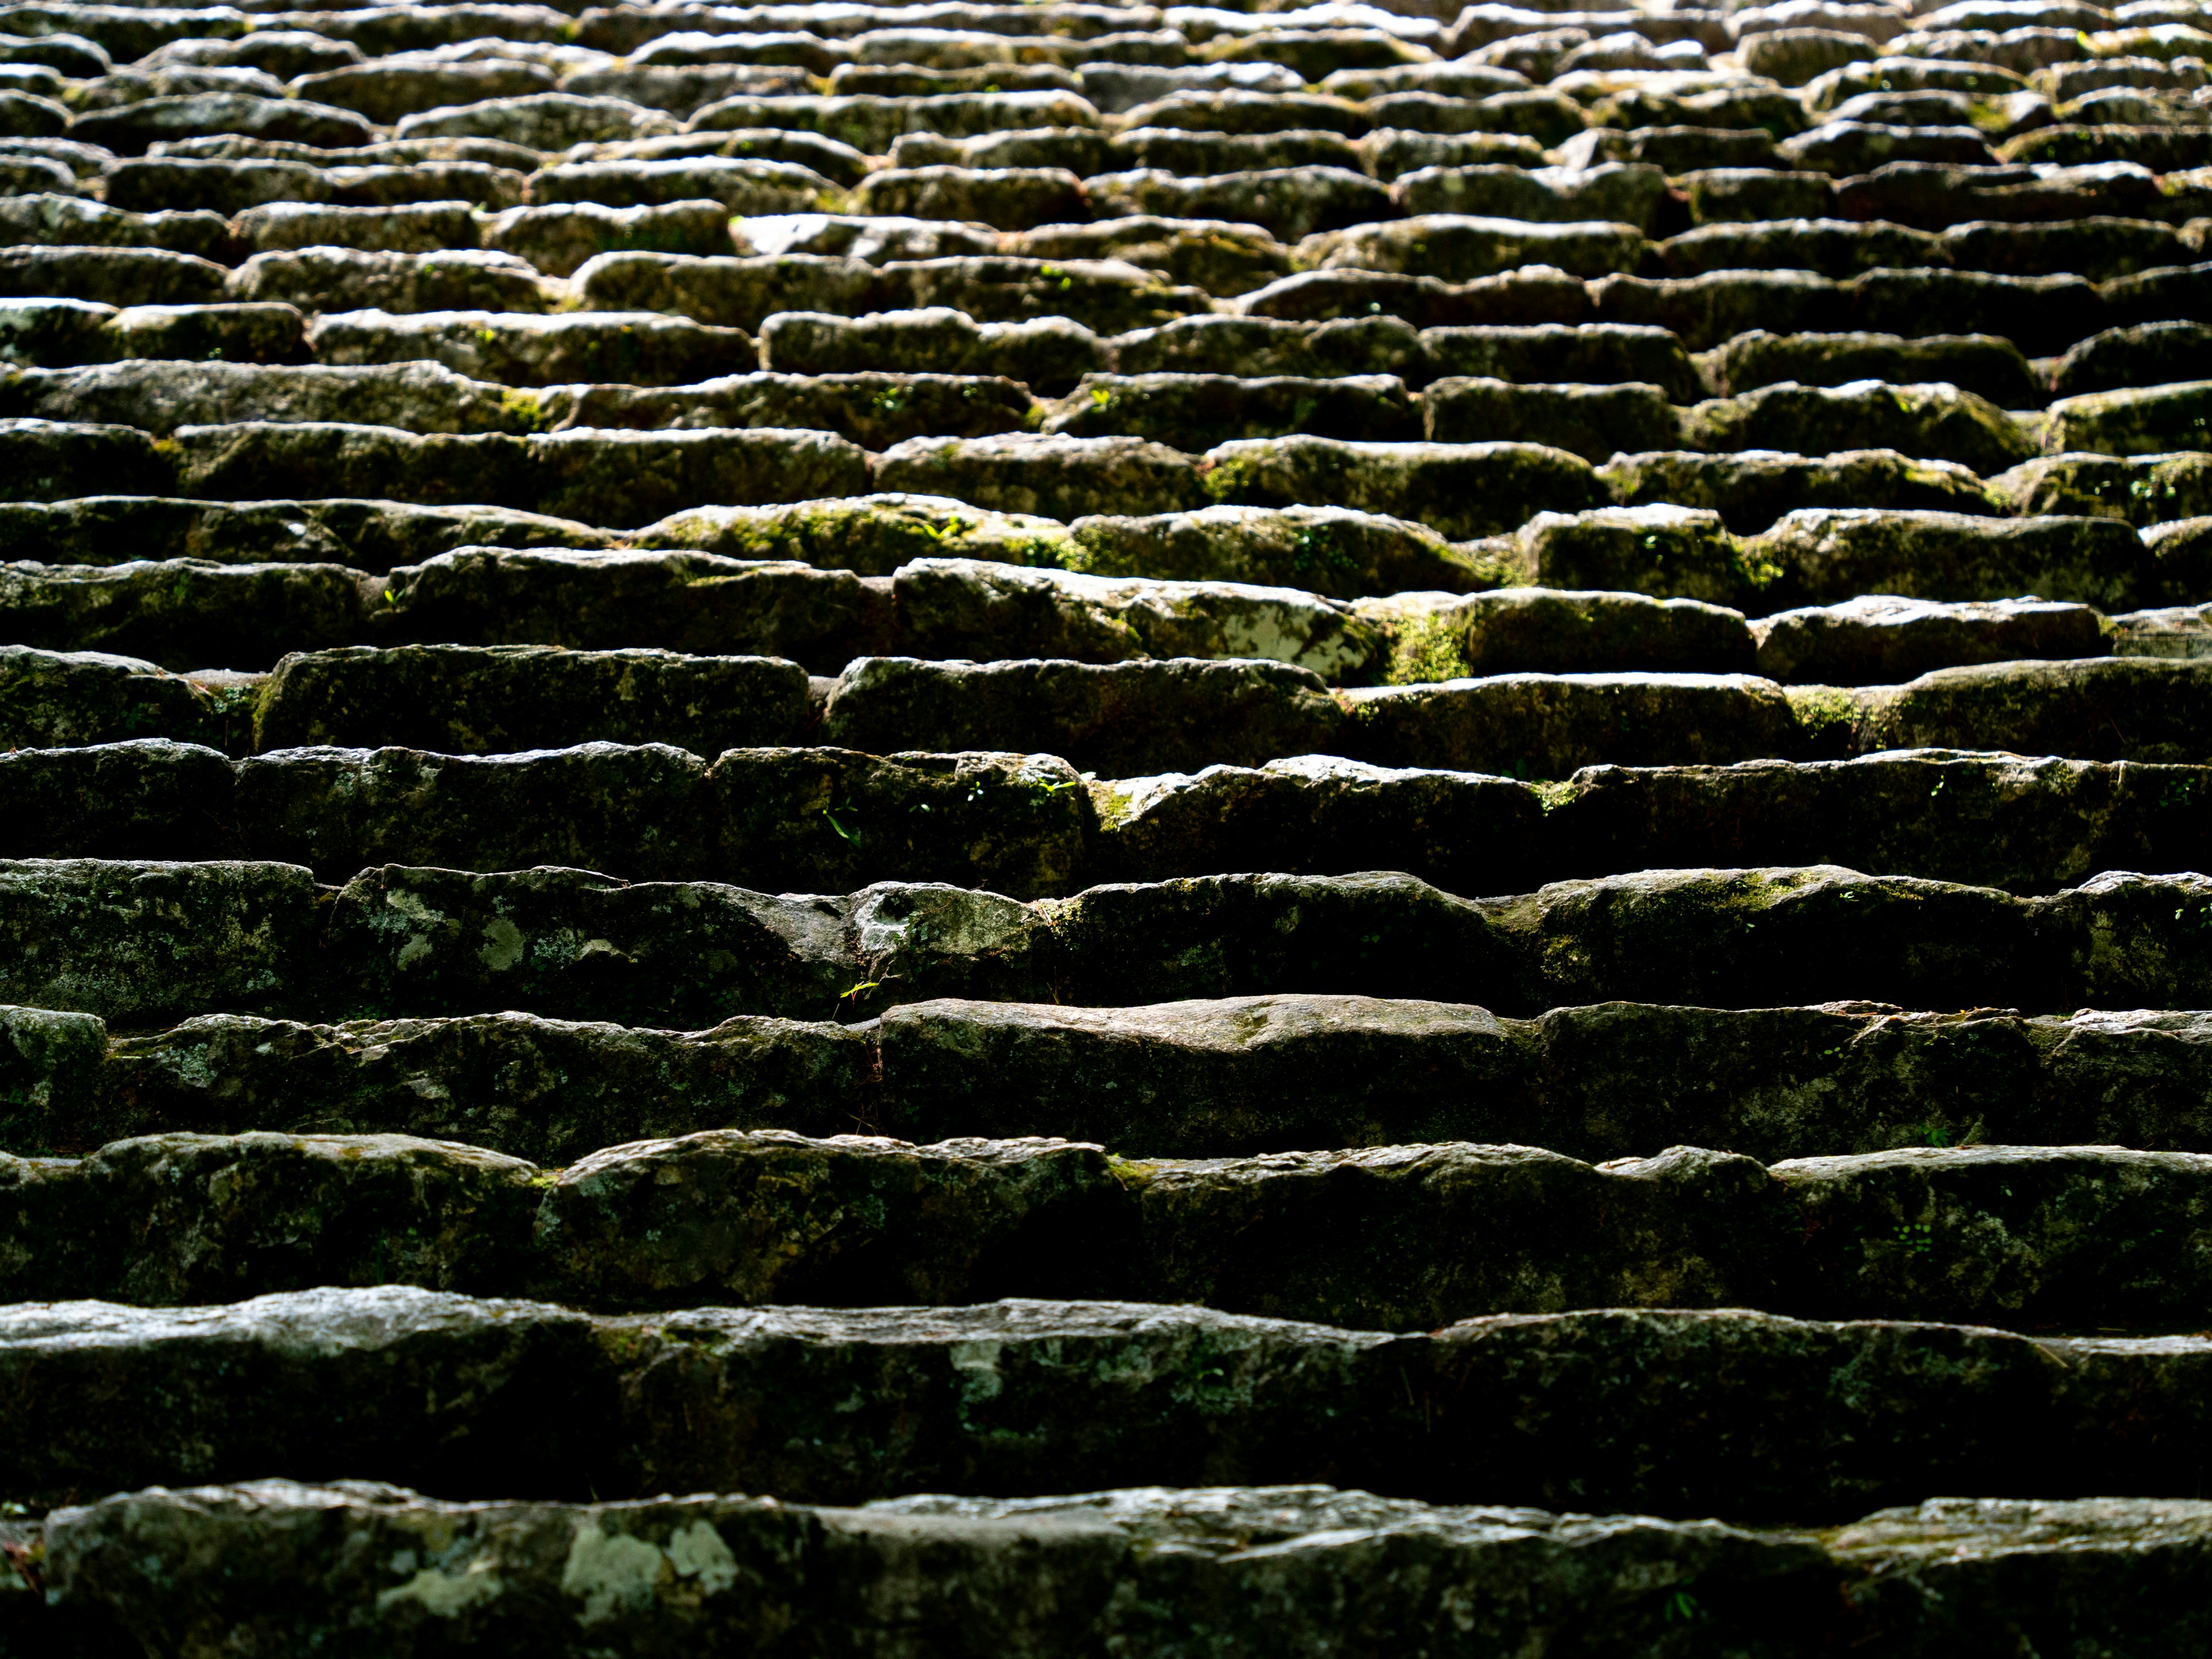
1434	636
1457	247
1459	490
145	943
559	240
1123	718
2140	490
54	699
1654	1409
698	603
157	397
1880	638
546	1089
2137	708
465	699
629	348
1199	411
184	613
1049	475
1335	551
348	279
1289	1566
1752	488
1830	555
871	535
1549	725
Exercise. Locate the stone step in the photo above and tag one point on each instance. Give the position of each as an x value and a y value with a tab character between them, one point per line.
179	613
144	944
1244	1076
1129	718
1286	1569
2040	1238
824	820
1673	1411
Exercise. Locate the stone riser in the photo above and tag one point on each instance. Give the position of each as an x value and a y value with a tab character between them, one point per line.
1695	1414
144	945
1183	1080
825	820
1396	1238
1224	1573
1127	719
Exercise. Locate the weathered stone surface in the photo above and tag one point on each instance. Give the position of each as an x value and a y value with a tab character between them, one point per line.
183	613
49	459
2151	354
158	398
1594	422
1880	638
1458	247
115	800
1287	1567
1335	551
1933	421
1548	726
2154	420
539	121
1994	820
350	279
422	228
1221	258
960	607
1108	296
1123	718
1661	1410
1831	554
69	222
474	699
875	410
1047	353
148	944
561	238
53	699
638	812
2041	1238
1291	203
728	293
546	1089
1459	490
1601	354
1529	1231
1751	489
1979	363
1199	411
698	603
367	535
2141	490
766	1216
571	944
112	275
1050	476
2140	709
608	475
133	128
1550	631
626	348
870	535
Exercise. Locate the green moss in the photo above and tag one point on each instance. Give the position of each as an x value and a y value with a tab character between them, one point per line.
1427	649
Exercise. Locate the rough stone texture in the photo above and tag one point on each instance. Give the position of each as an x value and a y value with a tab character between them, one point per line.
53	699
1333	551
2134	709
699	603
869	535
1050	476
967	608
474	700
1830	555
115	800
1548	726
548	1091
1544	630
184	613
2138	490
1225	1571
146	944
1459	490
1750	490
857	1221
1667	1411
1882	638
1120	718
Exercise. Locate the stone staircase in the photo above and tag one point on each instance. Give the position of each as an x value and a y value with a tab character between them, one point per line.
1087	829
